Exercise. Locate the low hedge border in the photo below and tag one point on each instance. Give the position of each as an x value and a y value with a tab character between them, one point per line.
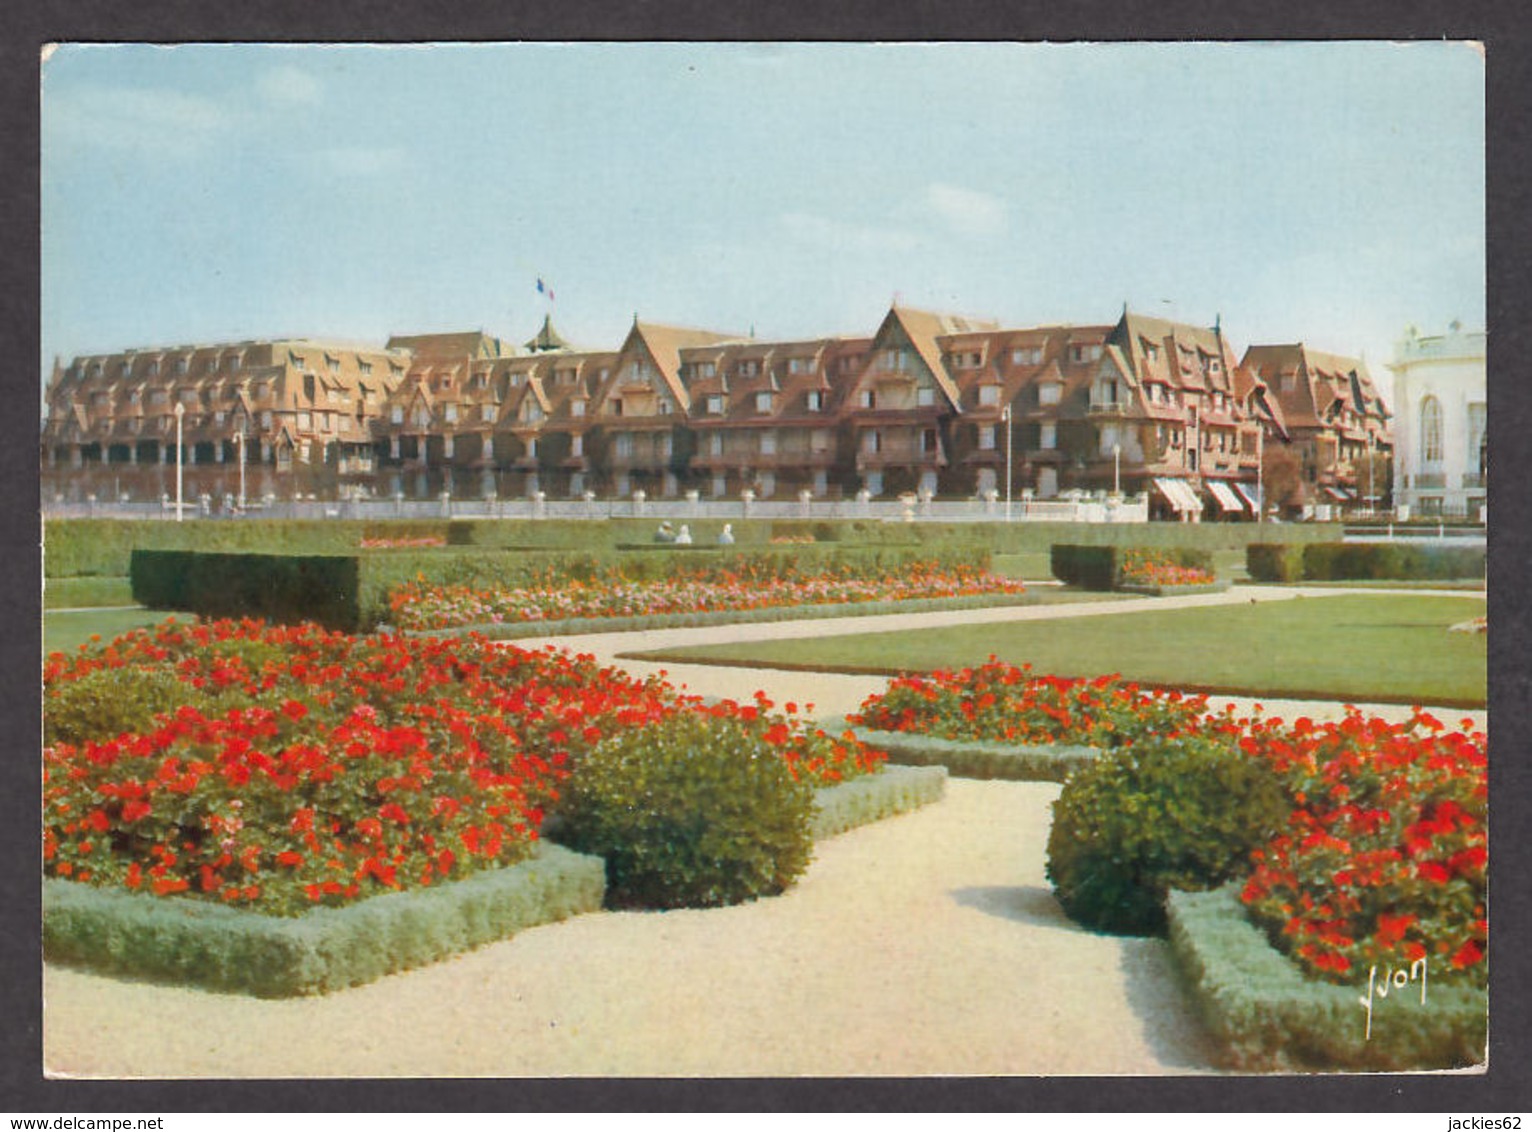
872	797
1168	591
87	591
973	758
229	949
572	626
1269	1017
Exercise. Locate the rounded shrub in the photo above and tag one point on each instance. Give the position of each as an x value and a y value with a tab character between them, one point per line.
1163	813
108	702
691	811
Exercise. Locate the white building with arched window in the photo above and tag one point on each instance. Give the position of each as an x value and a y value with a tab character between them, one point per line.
1440	423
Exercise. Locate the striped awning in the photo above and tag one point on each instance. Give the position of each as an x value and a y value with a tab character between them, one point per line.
1250	496
1179	494
1226	499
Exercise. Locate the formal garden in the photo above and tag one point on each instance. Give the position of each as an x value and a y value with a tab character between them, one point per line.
290	774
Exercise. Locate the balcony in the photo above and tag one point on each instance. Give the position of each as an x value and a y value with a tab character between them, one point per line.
1108	408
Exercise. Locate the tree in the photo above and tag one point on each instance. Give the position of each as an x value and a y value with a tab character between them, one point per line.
1282	478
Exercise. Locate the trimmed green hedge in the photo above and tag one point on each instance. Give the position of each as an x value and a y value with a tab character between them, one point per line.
351	591
1161	591
1274	562
1097	567
893	790
1339	561
103	546
327	949
73	547
1269	1017
1041	762
1362	561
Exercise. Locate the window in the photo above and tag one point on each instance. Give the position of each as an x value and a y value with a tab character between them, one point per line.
1109	437
872	442
449	413
1027	356
231	362
1048	435
820	440
800	365
577	407
396	415
1430	430
624	444
614	407
749	368
928	440
769	443
156	397
487	412
1476	423
715	404
532	412
715	444
332	364
989	395
266	418
154	369
925	398
1085	353
577	445
304	421
987	437
815	401
126	369
1048	393
532	449
763	402
666	407
704	369
365	367
868	399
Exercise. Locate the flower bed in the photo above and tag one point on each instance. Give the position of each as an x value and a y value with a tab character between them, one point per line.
281	769
1003	703
419	605
1383	863
1269	1017
1155	569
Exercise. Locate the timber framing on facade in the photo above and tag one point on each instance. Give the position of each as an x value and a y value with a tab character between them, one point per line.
928	403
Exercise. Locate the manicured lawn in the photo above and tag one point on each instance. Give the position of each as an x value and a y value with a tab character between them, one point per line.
1366	648
68	631
76	593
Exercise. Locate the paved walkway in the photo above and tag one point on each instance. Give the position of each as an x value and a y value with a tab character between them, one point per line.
925	944
834	695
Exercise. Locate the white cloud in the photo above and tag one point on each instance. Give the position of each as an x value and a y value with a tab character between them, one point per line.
846	235
289	85
967	211
360	161
151	120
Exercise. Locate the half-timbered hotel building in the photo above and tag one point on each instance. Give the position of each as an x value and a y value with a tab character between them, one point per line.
929	403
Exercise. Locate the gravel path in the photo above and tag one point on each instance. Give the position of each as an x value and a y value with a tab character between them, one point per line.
925	944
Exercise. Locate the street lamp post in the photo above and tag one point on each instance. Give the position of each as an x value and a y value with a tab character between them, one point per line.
239	443
1006	415
1260	474
180	412
1117	470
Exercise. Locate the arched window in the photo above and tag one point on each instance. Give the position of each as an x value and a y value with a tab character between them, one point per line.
1430	430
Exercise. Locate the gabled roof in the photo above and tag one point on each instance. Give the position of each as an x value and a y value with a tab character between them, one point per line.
922	329
664	344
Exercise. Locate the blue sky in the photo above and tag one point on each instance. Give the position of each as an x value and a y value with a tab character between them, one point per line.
1332	193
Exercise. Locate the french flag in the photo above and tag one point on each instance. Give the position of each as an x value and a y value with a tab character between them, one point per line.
543	289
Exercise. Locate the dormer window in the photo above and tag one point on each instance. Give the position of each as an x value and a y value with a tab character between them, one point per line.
815	401
181	367
925	398
487	412
868	399
715	404
332	364
1048	393
126	369
449	413
800	365
989	395
396	414
749	368
577	407
365	367
763	402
